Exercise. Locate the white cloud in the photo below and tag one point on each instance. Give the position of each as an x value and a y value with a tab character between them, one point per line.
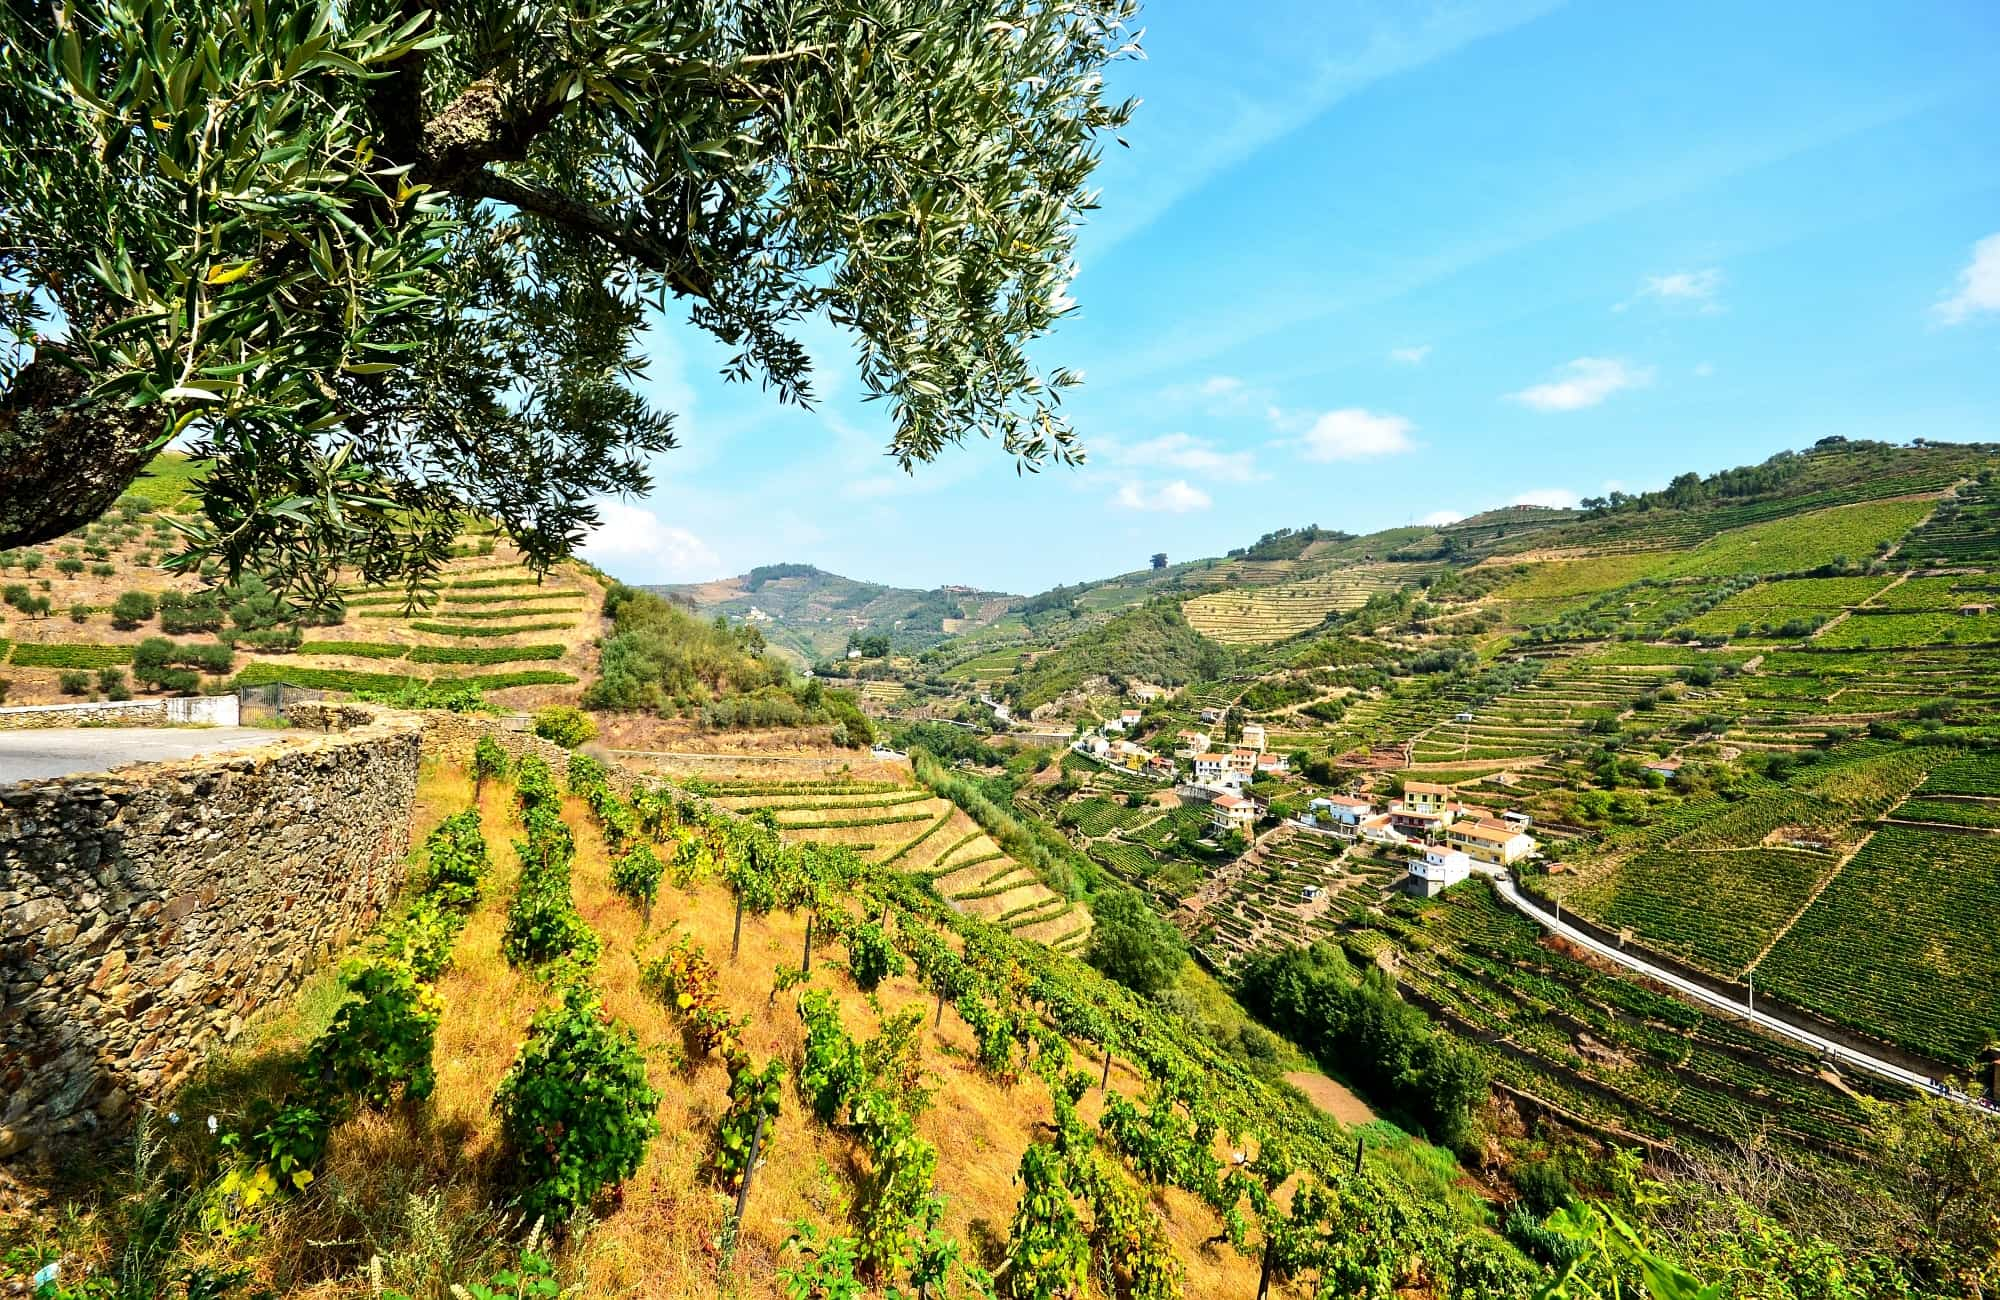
1181	451
1220	386
1439	518
1585	381
1175	498
1411	356
635	539
1700	290
1704	369
1553	498
1355	434
1978	284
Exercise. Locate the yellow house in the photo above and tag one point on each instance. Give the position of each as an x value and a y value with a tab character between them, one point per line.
1423	797
1495	845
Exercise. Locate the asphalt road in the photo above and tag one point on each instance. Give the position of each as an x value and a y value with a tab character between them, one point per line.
34	755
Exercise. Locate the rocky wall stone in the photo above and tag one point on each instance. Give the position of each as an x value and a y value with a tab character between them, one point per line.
145	916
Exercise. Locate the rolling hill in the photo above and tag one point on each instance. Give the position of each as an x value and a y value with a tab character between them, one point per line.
812	614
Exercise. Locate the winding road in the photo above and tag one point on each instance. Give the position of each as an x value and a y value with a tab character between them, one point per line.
1504	886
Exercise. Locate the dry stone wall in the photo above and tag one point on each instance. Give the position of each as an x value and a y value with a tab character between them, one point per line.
145	916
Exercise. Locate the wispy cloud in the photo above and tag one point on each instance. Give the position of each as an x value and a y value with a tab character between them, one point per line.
1355	434
1179	451
632	539
1411	356
1978	285
1175	498
1555	498
1584	382
1250	103
1694	290
1439	518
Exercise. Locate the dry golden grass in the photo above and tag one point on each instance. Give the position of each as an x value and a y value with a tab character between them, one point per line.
422	1188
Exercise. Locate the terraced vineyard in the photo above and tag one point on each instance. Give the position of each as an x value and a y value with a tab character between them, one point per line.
900	824
1718	890
1273	613
1609	1048
1965	531
1263	901
1903	944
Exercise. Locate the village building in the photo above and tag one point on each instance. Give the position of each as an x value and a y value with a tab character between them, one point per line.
1492	842
1342	814
1233	812
1273	764
1667	767
1125	721
1145	692
1253	735
1189	743
1243	759
1436	869
1211	715
1207	767
1423	797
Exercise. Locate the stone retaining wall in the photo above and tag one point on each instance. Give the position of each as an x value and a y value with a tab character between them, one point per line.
145	916
212	710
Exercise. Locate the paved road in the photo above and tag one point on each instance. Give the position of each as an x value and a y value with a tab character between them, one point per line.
33	755
1700	993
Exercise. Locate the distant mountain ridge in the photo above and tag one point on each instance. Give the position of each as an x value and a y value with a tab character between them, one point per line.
813	614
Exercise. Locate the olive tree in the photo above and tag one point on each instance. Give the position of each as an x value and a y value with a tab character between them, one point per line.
383	266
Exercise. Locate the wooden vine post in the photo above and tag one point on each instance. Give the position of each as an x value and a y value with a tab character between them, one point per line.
1263	1274
1360	1144
749	1172
736	939
806	961
1104	1084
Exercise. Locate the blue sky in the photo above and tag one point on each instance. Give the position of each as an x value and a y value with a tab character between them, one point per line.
1374	263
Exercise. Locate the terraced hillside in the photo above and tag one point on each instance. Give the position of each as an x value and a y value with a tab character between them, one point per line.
811	614
1272	613
897	824
927	1093
491	623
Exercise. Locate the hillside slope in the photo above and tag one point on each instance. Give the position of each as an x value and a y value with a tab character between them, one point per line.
812	614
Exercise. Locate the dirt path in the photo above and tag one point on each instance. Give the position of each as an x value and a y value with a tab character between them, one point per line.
1331	1096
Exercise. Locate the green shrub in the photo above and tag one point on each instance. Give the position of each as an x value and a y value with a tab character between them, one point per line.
637	876
566	726
111	681
576	1111
488	759
380	1041
422	938
69	566
455	861
131	609
871	958
79	611
181	614
74	681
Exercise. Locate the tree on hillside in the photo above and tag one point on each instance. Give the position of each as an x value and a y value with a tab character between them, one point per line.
1132	943
386	264
1159	559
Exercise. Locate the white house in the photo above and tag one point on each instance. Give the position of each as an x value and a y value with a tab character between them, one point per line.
1210	767
1232	812
1273	764
1435	870
1189	743
1253	735
1243	759
1340	813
